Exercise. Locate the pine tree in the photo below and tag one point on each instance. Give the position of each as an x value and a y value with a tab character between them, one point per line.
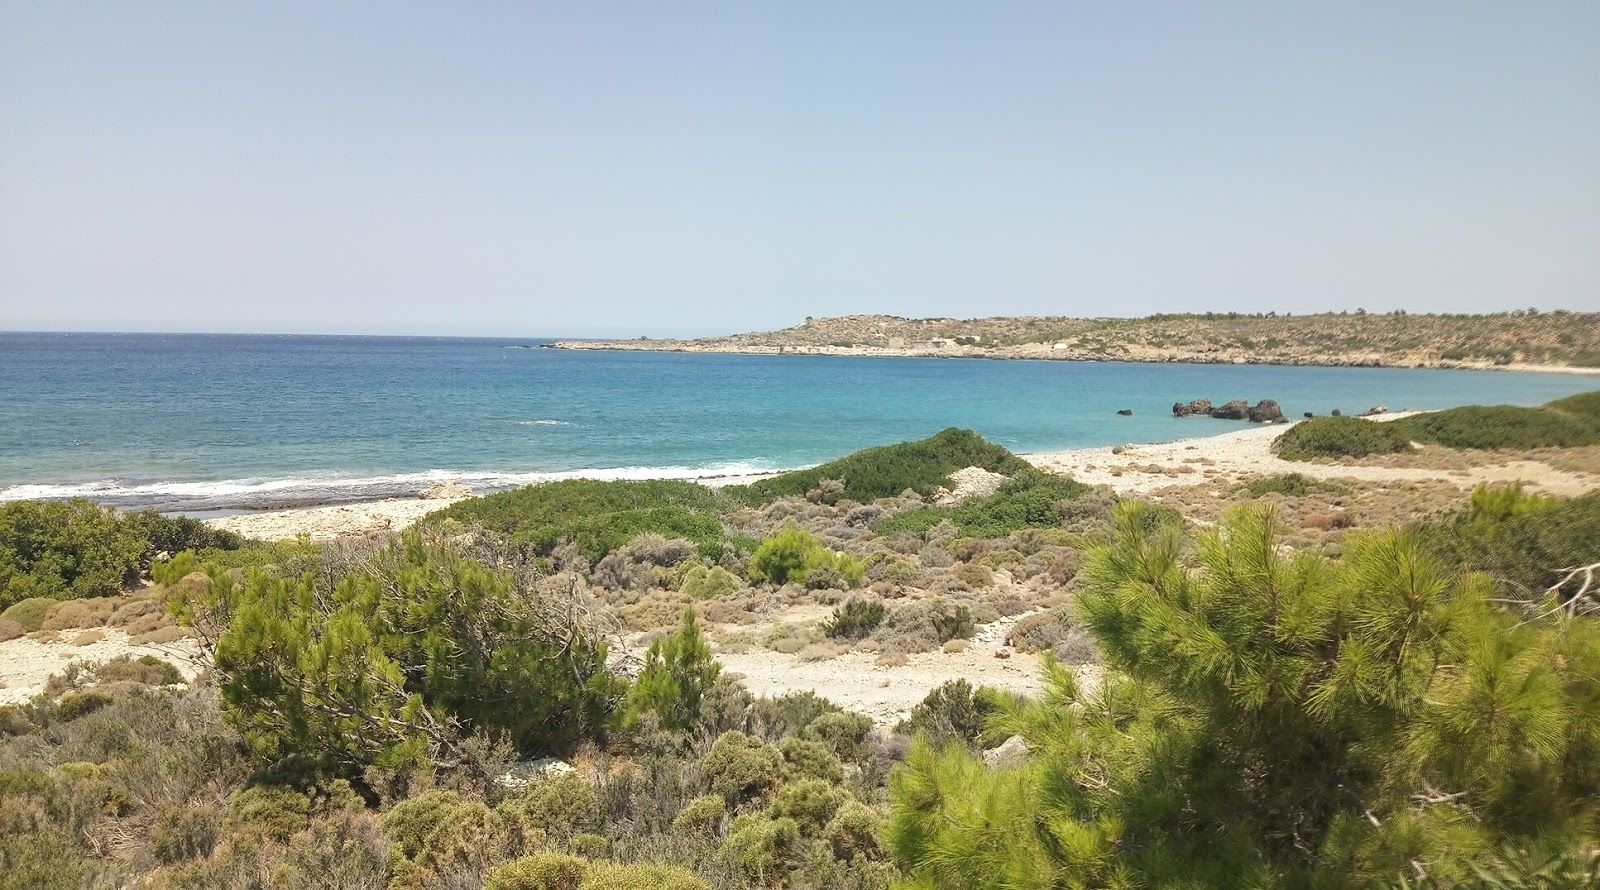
1274	719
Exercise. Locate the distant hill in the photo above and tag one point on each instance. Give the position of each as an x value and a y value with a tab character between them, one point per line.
1398	339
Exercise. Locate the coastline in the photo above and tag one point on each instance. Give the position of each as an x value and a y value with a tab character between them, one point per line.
1221	460
1049	355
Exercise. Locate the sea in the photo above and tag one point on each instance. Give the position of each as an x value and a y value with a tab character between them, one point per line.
205	424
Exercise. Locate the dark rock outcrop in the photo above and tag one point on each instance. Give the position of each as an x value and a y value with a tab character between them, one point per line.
1266	411
1238	409
1375	411
1200	407
1310	415
1125	412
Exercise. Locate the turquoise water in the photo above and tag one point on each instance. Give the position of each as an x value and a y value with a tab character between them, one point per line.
197	422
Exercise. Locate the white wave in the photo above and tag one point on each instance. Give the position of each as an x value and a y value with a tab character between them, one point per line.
543	422
256	491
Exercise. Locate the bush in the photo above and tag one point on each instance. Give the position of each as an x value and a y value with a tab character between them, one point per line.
1501	427
842	732
10	630
927	625
853	832
678	670
740	767
1586	405
63	550
541	871
792	555
29	613
760	849
955	712
561	805
1293	485
599	517
855	619
1031	498
615	876
804	758
703	815
887	471
703	583
1524	542
1041	631
81	704
810	802
184	832
1335	437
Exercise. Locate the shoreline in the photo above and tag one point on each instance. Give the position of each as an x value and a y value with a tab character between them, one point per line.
1131	470
1044	354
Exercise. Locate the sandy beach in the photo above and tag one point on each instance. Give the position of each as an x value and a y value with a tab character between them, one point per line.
1131	470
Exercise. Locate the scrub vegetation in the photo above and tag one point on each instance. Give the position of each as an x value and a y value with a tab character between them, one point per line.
523	692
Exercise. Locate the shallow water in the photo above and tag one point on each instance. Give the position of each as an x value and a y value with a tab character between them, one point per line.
206	422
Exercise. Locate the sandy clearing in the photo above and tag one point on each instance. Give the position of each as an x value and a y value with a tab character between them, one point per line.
1232	457
26	662
332	521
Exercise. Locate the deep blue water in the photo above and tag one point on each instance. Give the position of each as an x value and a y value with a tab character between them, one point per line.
213	421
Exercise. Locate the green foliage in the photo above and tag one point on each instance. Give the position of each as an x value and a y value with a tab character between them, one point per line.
760	848
1525	542
853	831
741	768
29	612
1501	427
379	667
598	516
1292	485
1336	437
887	471
678	670
541	871
810	802
806	758
794	555
65	550
560	805
955	712
705	583
1586	404
1029	499
1273	720
636	876
703	815
855	619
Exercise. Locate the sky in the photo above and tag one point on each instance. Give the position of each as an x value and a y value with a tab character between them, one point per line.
694	168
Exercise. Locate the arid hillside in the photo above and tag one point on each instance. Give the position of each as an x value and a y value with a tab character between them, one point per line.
1524	337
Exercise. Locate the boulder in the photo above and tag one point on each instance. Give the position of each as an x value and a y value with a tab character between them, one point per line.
1238	409
1266	411
1012	752
1198	406
1125	412
1375	411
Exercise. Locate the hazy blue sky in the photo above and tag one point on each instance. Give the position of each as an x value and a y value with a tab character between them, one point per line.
592	168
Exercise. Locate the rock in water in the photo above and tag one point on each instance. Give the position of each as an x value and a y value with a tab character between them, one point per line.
1238	409
1310	415
1125	412
1198	406
1266	411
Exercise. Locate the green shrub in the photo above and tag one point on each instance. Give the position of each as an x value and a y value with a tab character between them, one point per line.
1031	498
1293	485
561	805
678	670
703	815
740	767
855	619
704	583
29	613
844	733
810	802
1525	542
1335	437
616	876
81	704
887	471
790	713
175	534
793	555
441	828
599	516
1586	404
1041	631
853	832
955	712
806	758
541	871
62	550
270	810
760	849
183	832
1500	427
